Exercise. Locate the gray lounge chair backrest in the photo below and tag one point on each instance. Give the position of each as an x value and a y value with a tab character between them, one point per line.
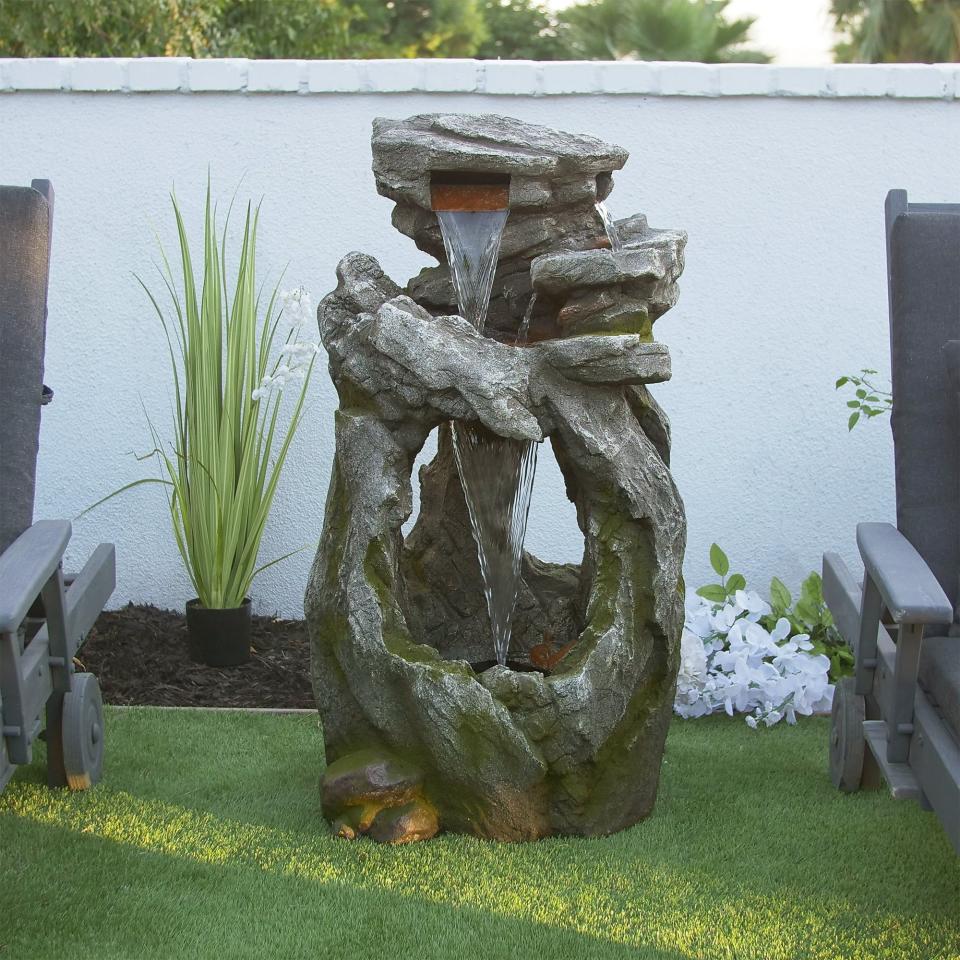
26	215
923	273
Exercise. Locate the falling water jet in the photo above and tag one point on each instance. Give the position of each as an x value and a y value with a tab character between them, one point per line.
497	478
610	226
471	239
523	333
496	473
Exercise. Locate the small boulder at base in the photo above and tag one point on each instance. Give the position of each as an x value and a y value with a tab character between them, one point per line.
377	793
347	825
367	778
416	820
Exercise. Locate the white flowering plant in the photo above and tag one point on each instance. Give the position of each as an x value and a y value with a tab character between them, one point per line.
230	360
738	655
809	615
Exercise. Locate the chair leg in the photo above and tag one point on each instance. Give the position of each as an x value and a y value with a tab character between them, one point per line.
871	778
56	771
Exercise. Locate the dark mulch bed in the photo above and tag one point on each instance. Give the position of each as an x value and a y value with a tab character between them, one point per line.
140	656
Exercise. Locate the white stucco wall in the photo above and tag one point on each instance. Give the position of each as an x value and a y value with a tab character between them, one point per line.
779	177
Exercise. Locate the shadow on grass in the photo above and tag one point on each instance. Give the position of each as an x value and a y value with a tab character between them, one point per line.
750	852
146	904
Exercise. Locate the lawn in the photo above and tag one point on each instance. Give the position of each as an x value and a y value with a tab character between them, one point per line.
205	840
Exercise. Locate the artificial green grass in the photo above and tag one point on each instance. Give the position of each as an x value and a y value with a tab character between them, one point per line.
205	840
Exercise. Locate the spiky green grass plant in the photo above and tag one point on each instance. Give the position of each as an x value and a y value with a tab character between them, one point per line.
205	839
230	439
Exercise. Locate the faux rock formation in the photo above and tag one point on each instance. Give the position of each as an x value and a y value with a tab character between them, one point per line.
568	737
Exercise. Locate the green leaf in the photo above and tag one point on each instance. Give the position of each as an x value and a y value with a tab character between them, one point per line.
780	598
736	581
852	422
807	612
812	588
861	393
270	563
843	381
855	404
719	561
123	489
713	592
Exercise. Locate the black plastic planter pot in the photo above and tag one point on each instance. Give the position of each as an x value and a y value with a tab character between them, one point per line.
219	638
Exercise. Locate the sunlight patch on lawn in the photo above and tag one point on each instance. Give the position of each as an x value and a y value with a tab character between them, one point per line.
649	905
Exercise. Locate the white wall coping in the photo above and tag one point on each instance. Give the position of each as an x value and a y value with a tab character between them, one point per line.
495	77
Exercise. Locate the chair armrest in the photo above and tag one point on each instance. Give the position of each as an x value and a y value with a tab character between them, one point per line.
26	565
842	596
910	592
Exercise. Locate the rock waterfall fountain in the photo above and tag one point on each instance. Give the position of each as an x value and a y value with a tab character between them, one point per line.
421	731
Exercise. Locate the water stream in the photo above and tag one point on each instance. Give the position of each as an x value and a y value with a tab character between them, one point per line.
523	334
609	224
496	473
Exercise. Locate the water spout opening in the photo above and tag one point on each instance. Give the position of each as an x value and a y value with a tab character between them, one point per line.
466	190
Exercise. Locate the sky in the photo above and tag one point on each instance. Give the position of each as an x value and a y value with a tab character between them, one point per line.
793	32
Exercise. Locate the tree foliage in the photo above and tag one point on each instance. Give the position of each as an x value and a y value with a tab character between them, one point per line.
898	31
93	28
508	29
522	30
695	30
285	29
240	28
417	28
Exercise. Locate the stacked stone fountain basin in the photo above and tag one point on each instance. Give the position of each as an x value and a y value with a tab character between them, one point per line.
421	731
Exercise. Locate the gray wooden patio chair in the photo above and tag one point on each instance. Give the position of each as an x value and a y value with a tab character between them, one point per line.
44	615
899	717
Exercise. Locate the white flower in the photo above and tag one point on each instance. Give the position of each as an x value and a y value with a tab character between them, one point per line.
294	369
692	676
297	307
266	385
730	662
751	603
296	355
299	352
781	631
693	658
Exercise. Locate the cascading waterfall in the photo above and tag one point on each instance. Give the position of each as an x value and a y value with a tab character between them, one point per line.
472	241
497	477
496	472
610	225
